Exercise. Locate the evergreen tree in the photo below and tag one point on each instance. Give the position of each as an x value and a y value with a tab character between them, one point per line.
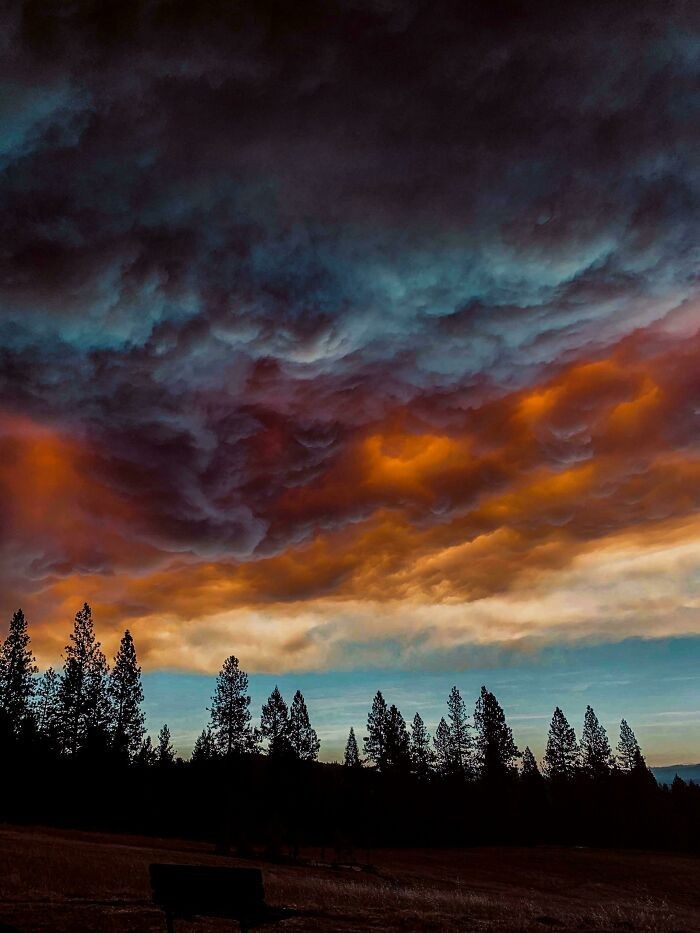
17	670
375	741
678	786
302	738
126	696
397	741
352	754
529	768
596	755
444	764
165	752
82	692
629	754
46	704
496	750
461	744
230	715
561	757
204	747
274	725
422	756
146	755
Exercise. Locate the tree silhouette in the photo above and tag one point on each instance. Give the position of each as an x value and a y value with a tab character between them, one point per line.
165	752
204	747
596	755
82	692
496	750
422	756
461	744
397	742
352	754
534	799
375	741
146	755
274	725
303	740
17	670
629	754
46	704
126	696
443	749
561	757
529	769
230	713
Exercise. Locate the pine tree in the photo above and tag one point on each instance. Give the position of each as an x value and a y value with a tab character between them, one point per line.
529	770
422	756
461	744
561	757
17	670
596	755
126	696
274	725
46	704
496	750
303	740
146	755
444	764
629	754
678	786
398	756
165	752
230	714
375	741
352	754
82	693
204	747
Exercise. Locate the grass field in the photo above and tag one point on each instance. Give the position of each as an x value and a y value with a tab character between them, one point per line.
67	881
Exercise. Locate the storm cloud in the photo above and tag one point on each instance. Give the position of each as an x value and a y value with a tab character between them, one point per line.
344	303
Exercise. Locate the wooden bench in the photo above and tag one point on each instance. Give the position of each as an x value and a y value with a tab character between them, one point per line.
188	891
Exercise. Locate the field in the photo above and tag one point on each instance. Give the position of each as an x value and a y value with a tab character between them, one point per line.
60	881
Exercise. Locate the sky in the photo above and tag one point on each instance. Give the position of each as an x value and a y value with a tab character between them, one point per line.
360	340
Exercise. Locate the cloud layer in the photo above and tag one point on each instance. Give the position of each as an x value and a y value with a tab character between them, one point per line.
359	326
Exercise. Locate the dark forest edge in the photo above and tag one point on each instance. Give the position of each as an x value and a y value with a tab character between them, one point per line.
74	747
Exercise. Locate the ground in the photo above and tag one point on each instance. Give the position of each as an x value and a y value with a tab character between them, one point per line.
60	881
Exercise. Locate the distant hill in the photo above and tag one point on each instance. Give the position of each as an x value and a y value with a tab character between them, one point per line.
666	774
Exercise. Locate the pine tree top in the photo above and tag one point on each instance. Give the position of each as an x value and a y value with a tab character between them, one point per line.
17	670
352	754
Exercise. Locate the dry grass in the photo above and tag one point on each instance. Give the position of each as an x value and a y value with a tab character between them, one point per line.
78	882
422	907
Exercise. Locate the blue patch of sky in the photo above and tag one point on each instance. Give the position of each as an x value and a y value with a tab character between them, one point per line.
654	684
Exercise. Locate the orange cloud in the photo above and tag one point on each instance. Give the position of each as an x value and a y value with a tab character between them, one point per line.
507	496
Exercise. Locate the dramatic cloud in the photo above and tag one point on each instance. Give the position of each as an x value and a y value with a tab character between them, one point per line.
348	327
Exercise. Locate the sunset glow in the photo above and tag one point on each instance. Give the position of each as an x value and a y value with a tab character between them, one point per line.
351	364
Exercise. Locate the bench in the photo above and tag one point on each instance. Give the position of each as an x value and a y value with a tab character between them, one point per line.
188	891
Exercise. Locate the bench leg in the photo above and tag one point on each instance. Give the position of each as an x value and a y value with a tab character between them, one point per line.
170	922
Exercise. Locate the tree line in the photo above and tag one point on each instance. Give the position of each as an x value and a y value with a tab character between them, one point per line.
84	725
484	749
90	709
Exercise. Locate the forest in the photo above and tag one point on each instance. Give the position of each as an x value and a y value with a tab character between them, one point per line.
75	749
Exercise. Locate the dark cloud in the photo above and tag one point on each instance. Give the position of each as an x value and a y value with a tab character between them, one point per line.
239	240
